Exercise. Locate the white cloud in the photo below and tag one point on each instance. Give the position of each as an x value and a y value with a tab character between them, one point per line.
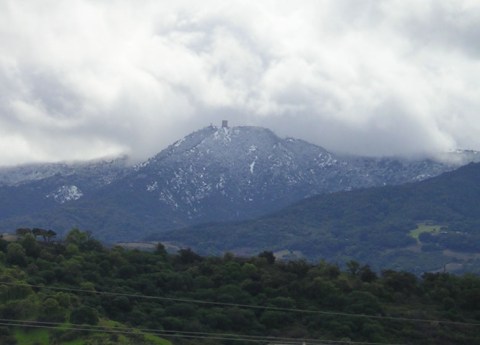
104	77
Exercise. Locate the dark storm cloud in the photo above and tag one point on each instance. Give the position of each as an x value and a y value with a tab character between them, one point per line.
104	78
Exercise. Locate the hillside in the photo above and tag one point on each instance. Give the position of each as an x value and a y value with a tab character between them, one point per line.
79	292
420	226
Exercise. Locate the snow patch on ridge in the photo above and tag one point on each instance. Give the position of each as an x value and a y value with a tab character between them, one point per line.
65	194
152	187
252	165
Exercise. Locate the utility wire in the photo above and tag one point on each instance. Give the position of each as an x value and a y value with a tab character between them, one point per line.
238	305
181	334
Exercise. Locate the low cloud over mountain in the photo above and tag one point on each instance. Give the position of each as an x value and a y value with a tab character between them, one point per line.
85	79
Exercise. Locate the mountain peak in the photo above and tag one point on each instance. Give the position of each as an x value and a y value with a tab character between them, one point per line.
213	139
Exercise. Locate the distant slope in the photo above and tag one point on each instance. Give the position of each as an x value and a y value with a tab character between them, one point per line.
371	225
97	172
28	189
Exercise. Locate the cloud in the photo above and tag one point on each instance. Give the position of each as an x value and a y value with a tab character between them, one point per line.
85	79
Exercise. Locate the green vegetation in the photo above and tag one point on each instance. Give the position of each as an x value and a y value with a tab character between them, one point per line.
119	296
32	337
425	228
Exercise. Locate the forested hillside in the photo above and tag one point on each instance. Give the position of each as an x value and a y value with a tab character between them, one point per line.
76	291
424	226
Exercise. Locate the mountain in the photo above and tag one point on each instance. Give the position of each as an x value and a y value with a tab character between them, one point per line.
236	173
423	226
95	173
214	174
32	188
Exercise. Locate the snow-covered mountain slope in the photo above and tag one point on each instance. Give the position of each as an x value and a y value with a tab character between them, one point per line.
241	172
96	173
233	173
214	174
32	188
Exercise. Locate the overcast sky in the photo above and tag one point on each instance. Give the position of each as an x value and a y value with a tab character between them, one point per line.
83	79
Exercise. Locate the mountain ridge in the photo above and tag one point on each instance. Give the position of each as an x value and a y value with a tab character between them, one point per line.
213	174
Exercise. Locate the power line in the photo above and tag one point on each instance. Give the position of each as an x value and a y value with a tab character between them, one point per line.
238	305
179	334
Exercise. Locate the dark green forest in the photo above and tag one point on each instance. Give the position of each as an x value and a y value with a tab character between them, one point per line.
77	291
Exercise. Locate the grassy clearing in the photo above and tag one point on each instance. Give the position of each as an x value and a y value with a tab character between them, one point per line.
41	336
152	339
31	337
425	227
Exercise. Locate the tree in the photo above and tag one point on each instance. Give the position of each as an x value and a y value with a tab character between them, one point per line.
367	275
160	250
23	231
188	256
51	310
84	315
268	256
362	302
40	232
353	267
16	254
400	281
276	319
31	246
50	234
83	240
75	236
